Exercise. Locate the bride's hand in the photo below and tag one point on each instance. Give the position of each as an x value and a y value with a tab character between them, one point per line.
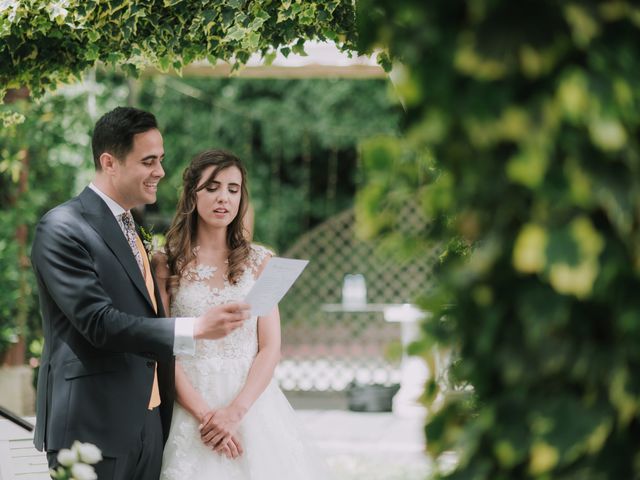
232	449
218	426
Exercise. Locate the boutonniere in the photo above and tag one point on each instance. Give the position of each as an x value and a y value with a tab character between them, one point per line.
148	240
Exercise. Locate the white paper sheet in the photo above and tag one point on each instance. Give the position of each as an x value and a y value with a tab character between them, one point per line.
276	279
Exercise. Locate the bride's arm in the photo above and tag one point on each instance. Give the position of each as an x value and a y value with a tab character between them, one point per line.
264	365
187	396
191	400
219	425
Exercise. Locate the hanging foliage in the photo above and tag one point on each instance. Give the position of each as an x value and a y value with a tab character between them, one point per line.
43	44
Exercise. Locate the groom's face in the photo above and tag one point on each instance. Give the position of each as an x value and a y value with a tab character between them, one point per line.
136	176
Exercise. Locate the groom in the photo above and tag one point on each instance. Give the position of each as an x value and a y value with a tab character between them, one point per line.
107	371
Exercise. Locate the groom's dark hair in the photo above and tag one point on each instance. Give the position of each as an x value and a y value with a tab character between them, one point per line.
115	130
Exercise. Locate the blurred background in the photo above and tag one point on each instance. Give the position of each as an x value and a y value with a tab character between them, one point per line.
494	183
300	141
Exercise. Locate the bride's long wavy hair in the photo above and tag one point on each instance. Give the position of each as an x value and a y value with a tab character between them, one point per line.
181	236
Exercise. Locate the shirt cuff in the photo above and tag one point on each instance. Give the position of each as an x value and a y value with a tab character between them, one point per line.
184	343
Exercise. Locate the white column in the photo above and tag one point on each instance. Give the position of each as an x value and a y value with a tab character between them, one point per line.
414	371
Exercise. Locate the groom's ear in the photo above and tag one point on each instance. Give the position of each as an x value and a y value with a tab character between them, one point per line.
107	162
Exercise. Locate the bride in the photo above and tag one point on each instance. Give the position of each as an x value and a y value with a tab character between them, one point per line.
231	420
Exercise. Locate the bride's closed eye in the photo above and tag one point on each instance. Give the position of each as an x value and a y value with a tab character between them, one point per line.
213	189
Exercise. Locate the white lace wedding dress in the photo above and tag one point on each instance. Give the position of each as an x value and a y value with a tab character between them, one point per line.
270	434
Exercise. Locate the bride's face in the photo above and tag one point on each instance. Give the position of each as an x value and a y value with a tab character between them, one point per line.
218	202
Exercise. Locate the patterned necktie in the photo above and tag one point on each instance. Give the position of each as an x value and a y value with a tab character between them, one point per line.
126	221
129	228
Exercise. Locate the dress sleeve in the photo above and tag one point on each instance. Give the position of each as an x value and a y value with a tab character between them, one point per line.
258	258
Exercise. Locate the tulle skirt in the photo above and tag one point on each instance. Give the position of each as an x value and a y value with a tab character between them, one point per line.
271	435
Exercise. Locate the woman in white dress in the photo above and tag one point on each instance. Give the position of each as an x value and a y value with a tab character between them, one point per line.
231	420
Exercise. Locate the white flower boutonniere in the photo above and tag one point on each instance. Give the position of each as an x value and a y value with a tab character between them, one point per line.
152	242
147	239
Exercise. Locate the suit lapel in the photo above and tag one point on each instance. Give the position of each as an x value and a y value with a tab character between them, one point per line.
98	215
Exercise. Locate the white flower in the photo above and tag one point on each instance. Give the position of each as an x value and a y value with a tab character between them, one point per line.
10	6
88	453
6	4
67	457
80	471
58	12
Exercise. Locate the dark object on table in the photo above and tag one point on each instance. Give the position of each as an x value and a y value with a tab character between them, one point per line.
371	398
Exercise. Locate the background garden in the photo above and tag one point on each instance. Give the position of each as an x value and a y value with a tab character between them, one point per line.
518	144
299	140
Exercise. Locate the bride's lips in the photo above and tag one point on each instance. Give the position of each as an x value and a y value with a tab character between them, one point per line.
220	212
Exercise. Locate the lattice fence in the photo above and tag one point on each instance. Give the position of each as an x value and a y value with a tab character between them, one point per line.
325	350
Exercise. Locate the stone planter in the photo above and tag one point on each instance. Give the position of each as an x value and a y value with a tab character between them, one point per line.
16	389
371	398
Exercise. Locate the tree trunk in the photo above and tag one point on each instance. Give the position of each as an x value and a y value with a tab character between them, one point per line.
16	354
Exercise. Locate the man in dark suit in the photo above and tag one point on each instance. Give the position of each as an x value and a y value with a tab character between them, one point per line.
107	368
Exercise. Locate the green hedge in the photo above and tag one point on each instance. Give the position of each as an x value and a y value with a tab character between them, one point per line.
531	111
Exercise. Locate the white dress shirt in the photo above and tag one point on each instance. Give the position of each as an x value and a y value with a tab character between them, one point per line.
184	343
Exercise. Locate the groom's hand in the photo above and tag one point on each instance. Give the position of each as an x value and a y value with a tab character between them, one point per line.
221	320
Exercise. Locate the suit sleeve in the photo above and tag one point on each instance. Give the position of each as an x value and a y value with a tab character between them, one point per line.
66	269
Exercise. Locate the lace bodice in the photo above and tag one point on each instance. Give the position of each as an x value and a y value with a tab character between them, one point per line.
197	293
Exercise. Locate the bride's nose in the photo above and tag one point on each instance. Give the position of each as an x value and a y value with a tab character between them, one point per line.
223	197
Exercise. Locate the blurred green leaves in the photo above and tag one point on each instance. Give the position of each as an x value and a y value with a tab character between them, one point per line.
531	114
395	180
568	255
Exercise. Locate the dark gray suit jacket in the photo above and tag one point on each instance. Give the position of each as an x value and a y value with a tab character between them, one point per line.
102	339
